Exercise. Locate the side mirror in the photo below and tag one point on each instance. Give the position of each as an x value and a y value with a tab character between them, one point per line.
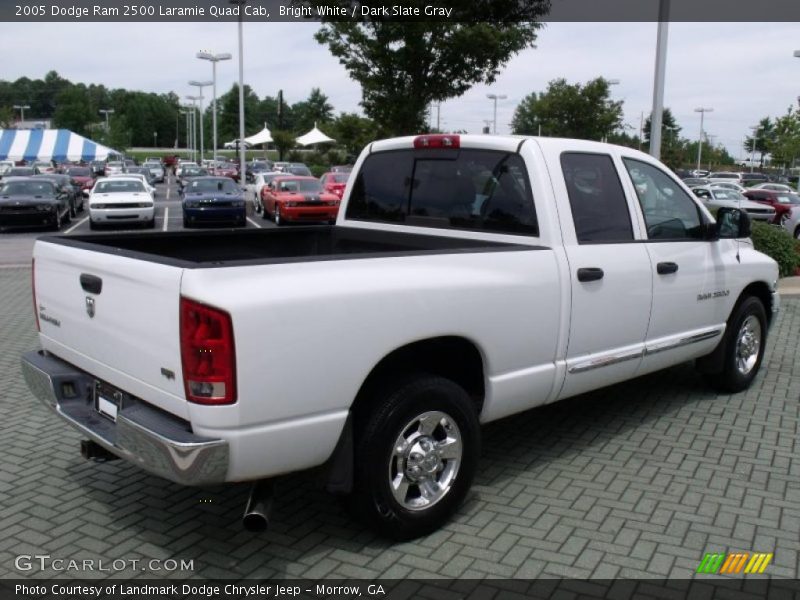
732	223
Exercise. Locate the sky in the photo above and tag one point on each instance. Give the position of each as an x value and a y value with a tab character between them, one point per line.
744	71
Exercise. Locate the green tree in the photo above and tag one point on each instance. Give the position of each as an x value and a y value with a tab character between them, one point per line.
674	151
228	118
353	132
315	109
784	144
74	109
284	141
569	110
6	117
764	136
403	67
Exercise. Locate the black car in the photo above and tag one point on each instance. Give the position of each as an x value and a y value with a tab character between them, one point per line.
749	179
67	185
33	202
21	172
98	167
189	173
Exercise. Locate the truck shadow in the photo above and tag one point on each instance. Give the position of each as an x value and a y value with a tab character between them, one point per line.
530	462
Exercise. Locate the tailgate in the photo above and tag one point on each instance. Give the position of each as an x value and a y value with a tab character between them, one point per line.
125	332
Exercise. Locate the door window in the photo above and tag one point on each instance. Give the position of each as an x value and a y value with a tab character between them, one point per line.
669	212
599	208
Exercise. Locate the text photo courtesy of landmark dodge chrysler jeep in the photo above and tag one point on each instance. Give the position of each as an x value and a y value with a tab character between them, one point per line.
467	278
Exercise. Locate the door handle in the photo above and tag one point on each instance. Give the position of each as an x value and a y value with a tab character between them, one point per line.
91	283
665	268
590	274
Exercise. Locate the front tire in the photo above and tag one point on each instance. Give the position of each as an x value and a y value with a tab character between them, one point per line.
744	344
277	215
416	454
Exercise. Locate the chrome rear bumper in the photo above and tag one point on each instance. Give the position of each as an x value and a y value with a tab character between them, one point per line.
142	434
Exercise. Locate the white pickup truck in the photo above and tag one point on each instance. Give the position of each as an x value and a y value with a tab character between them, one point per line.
467	278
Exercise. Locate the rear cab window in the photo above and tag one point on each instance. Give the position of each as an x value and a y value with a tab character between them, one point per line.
468	189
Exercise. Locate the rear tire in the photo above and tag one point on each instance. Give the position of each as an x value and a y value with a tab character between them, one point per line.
277	215
416	453
744	344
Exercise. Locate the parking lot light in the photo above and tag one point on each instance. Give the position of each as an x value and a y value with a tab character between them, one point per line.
106	112
702	112
240	4
21	108
495	98
200	85
214	58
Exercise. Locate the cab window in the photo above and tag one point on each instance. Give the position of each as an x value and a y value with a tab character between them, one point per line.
599	208
669	212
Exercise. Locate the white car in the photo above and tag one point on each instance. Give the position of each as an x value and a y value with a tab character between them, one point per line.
114	167
234	145
183	164
775	187
717	197
150	189
121	200
792	223
262	181
728	185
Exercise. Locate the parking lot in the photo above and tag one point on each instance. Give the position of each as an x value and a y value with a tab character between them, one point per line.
636	480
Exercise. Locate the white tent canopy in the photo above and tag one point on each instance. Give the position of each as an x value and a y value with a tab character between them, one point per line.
262	137
50	144
315	136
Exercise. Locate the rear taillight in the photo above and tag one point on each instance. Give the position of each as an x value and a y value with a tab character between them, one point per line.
33	291
422	142
207	354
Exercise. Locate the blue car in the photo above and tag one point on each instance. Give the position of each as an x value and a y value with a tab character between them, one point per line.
213	200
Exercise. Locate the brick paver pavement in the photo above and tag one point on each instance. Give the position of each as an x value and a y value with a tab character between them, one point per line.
636	480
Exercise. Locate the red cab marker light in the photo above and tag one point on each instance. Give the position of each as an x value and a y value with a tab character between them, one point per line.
438	140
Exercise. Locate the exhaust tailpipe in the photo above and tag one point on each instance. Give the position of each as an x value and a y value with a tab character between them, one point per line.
91	450
259	506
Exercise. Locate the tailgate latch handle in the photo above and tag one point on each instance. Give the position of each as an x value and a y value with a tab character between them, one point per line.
91	283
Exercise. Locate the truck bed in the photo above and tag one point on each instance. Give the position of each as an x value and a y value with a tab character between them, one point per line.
225	248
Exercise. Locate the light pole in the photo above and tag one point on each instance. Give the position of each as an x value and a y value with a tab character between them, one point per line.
187	113
106	112
21	108
797	55
754	129
240	4
658	79
155	139
194	100
609	83
702	112
495	98
200	85
214	58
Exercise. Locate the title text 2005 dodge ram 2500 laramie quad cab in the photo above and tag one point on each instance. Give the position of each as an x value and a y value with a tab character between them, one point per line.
467	278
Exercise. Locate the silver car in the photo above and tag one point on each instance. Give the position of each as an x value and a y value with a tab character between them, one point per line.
717	197
792	224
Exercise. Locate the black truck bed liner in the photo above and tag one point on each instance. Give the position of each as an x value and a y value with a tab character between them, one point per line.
229	247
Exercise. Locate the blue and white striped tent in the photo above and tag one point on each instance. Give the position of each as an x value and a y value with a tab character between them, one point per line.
49	144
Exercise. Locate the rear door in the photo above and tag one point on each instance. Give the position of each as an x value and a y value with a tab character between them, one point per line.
610	274
114	317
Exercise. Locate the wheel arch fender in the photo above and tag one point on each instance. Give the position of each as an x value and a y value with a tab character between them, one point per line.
453	357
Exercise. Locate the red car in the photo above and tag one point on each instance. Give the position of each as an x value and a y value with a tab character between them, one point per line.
782	202
294	198
82	175
226	170
335	182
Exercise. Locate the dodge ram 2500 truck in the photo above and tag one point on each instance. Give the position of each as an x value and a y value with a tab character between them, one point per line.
467	278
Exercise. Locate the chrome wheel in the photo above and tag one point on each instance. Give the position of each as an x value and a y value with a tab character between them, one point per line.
784	219
277	213
425	460
748	344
